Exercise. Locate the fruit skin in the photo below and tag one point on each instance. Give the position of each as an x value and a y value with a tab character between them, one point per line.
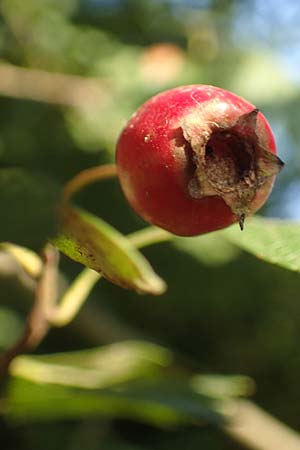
163	158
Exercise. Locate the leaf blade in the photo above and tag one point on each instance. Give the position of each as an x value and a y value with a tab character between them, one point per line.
271	240
94	243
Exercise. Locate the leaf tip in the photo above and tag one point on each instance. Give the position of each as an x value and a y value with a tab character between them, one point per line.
152	285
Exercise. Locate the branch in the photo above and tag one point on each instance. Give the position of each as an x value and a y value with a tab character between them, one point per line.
36	324
54	88
258	430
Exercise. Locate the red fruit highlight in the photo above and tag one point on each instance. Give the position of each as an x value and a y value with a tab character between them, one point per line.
196	159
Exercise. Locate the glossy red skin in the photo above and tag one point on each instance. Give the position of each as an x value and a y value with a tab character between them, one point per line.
155	180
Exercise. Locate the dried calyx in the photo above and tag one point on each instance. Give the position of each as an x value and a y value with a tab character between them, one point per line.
230	161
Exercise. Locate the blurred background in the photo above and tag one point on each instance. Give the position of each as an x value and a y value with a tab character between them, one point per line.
71	73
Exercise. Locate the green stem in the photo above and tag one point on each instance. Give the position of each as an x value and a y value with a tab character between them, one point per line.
149	236
88	176
28	260
73	299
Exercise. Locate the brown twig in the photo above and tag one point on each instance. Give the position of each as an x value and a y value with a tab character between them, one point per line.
36	324
53	88
257	430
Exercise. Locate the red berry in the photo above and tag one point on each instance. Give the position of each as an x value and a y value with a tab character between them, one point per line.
196	159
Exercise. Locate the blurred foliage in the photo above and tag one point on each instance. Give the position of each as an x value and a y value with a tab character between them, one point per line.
127	379
22	194
225	311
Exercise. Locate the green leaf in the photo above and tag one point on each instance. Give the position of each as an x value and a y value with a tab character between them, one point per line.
259	77
273	241
96	368
158	403
96	244
131	379
210	249
223	386
28	207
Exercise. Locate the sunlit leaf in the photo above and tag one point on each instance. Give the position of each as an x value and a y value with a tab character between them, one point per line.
95	368
97	245
260	77
220	386
273	241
